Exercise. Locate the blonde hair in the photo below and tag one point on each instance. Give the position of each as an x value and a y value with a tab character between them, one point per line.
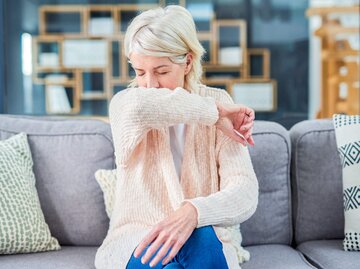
166	32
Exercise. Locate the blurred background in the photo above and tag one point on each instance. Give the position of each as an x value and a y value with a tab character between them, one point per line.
289	60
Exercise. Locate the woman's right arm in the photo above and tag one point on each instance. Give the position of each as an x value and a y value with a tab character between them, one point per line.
135	111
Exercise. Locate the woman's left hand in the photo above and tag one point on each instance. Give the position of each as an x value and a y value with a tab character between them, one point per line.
236	121
172	233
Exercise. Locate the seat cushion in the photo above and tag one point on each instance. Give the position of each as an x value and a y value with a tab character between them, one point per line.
330	254
276	257
68	257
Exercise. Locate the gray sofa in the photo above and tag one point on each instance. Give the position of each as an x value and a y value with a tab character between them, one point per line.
298	223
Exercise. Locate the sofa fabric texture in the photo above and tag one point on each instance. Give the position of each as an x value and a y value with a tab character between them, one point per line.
295	209
271	162
329	254
316	181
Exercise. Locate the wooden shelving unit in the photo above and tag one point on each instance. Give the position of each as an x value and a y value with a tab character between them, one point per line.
78	46
340	87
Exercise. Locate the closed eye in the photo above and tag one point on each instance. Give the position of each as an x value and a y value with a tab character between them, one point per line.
162	73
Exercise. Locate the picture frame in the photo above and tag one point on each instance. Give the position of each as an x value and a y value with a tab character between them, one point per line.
260	95
83	53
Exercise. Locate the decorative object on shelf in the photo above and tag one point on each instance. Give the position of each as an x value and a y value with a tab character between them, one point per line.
340	59
80	50
101	26
57	99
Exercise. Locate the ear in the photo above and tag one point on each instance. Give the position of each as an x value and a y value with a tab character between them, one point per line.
189	62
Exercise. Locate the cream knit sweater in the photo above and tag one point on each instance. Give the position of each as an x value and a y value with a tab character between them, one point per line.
217	176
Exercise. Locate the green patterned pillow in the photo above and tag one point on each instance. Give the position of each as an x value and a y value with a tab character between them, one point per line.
347	133
22	224
107	181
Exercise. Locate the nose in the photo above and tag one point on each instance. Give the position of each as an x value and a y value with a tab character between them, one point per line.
151	81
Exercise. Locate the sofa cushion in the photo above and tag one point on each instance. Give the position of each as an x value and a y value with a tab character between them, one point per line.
66	154
317	182
271	223
330	254
347	132
275	257
22	225
69	257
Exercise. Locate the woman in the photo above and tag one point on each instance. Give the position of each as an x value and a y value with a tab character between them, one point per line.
185	175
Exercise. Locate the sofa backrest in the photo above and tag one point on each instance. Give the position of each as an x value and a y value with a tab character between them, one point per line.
66	154
271	223
316	181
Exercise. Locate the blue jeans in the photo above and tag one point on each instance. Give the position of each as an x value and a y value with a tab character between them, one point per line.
202	250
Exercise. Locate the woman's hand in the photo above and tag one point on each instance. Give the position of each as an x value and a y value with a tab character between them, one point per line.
172	233
235	119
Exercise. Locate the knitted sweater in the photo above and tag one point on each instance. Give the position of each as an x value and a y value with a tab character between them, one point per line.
217	176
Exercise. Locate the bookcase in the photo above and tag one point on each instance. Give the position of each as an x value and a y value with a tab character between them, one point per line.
340	59
78	56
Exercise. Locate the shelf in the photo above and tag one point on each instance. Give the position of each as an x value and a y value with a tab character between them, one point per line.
93	96
323	11
96	68
339	59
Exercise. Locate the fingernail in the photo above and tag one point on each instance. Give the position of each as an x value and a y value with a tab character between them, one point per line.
142	261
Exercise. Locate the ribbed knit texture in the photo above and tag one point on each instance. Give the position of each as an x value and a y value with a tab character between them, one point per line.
217	176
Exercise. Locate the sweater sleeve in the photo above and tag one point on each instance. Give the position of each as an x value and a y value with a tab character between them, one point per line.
135	111
237	198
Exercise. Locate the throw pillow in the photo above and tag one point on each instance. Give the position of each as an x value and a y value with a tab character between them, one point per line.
107	181
22	224
347	132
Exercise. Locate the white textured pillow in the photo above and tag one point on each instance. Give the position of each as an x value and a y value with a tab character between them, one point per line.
347	132
22	224
107	181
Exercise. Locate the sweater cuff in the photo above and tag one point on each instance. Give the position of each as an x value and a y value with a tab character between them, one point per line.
205	216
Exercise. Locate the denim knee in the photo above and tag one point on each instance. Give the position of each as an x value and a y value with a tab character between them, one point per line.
204	249
173	265
205	238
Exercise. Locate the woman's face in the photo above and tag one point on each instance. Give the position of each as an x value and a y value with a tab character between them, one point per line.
159	72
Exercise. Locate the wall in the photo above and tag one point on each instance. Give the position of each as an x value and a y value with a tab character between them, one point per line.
14	14
2	54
